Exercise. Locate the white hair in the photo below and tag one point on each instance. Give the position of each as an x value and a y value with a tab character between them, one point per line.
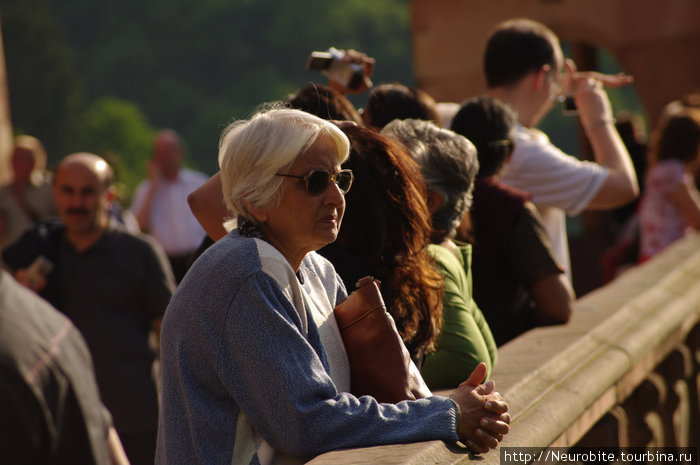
252	152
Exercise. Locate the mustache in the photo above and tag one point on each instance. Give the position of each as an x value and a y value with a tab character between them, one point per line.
77	211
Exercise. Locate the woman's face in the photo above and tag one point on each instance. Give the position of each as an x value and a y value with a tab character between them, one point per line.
303	222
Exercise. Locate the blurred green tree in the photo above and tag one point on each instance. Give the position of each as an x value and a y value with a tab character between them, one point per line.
118	131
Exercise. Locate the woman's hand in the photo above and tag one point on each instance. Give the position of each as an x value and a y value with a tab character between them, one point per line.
484	418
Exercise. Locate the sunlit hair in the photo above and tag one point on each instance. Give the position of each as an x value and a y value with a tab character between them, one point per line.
448	164
387	224
252	152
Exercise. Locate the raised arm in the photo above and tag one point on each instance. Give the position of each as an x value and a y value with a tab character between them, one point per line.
620	186
207	205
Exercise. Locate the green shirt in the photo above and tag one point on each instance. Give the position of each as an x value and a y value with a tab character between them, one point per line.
465	338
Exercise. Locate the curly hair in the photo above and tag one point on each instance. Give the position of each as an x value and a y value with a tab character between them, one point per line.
387	224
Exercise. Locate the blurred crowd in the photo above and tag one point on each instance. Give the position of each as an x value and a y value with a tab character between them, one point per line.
193	325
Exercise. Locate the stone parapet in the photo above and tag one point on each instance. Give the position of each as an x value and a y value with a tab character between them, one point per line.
622	372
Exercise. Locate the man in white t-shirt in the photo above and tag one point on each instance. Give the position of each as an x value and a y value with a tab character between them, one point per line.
524	67
160	202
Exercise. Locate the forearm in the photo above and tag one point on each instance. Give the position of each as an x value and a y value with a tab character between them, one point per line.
207	205
553	299
609	151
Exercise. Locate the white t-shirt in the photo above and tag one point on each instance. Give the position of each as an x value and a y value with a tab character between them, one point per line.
171	222
558	183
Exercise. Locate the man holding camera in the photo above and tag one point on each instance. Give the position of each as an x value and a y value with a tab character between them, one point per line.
524	67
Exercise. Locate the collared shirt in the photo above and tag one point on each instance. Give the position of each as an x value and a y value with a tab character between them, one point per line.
171	221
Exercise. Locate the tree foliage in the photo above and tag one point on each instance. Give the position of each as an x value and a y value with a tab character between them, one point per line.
44	87
194	65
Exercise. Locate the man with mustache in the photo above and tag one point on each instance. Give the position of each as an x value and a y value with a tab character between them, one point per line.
112	284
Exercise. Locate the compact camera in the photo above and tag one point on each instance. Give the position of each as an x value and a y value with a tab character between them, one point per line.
331	64
568	105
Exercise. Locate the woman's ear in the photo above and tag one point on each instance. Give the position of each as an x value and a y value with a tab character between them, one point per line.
260	214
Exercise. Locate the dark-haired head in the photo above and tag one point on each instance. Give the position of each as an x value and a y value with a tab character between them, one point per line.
679	137
391	101
518	47
488	123
324	102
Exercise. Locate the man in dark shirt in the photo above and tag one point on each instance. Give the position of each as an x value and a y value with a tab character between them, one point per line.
112	284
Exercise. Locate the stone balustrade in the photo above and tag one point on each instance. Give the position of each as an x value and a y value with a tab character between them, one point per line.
623	372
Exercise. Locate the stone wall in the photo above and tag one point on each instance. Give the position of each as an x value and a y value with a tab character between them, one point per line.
657	42
622	373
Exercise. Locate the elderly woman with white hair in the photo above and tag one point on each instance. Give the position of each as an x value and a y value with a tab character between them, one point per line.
254	368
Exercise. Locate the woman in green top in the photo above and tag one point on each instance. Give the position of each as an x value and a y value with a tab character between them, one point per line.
448	164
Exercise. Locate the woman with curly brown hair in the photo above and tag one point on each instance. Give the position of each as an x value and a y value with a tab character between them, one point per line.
385	233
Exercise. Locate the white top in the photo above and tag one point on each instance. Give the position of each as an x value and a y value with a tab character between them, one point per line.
171	222
558	183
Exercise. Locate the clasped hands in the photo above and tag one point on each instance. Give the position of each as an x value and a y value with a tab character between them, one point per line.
484	418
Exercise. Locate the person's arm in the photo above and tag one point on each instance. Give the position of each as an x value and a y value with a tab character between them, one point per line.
553	299
117	454
620	186
324	419
686	197
530	253
207	205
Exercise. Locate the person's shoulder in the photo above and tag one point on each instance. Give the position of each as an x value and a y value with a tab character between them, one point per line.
26	315
446	261
233	253
669	167
45	231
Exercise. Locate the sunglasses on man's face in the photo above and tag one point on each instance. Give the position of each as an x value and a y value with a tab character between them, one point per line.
317	180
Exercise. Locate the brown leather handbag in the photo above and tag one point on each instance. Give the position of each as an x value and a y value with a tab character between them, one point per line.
380	365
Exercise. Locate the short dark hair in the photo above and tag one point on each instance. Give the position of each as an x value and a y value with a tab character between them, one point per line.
391	101
516	48
324	102
488	123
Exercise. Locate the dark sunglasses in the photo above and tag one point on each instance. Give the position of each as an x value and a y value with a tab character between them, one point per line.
317	180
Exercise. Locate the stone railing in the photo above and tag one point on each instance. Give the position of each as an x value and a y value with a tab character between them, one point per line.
623	372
